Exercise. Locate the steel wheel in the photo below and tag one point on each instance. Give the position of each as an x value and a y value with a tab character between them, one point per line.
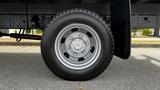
77	46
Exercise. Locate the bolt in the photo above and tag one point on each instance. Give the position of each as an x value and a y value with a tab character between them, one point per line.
80	35
84	51
68	47
87	43
70	37
75	53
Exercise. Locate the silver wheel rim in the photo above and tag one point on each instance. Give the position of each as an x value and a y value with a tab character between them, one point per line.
77	46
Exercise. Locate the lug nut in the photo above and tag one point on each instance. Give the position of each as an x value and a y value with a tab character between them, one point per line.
68	47
70	37
87	43
75	53
80	35
84	51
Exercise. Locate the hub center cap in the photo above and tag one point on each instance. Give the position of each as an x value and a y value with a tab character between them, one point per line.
78	45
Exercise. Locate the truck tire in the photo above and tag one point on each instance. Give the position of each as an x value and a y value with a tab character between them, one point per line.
77	45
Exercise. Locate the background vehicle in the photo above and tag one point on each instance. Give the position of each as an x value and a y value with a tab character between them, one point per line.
80	36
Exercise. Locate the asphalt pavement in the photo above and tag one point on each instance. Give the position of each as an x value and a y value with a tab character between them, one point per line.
22	68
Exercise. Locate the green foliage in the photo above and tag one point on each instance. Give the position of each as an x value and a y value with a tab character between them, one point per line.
28	31
15	31
147	32
134	32
39	31
144	32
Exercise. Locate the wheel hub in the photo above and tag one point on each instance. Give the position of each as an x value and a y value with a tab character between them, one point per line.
77	44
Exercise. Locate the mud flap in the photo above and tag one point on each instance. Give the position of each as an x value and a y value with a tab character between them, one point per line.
121	27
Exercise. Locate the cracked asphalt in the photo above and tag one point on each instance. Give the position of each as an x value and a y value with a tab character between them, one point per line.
22	68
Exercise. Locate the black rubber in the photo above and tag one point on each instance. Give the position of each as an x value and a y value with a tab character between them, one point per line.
77	16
